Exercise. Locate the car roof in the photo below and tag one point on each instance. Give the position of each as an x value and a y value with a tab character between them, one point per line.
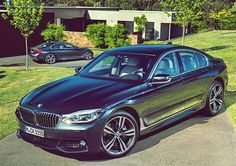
150	49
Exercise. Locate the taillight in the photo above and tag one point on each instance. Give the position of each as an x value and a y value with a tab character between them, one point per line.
38	51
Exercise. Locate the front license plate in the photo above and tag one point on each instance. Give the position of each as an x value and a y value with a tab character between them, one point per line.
34	131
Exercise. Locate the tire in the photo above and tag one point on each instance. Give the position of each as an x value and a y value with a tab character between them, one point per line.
215	99
50	59
120	135
88	55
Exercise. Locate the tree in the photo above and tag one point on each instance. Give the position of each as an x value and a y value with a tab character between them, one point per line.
234	8
223	17
214	6
140	23
186	11
25	16
54	32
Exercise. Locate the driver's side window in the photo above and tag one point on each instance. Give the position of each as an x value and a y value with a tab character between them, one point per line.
168	65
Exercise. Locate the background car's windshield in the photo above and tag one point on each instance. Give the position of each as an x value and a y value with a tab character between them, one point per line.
121	66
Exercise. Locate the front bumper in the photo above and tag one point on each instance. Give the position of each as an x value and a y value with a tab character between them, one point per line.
77	138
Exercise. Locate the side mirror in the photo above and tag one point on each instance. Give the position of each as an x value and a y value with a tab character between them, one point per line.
78	69
161	79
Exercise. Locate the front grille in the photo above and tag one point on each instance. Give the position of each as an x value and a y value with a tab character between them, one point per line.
47	119
27	115
42	119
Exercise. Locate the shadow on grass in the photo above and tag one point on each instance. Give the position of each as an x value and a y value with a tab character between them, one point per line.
215	48
230	98
2	74
13	65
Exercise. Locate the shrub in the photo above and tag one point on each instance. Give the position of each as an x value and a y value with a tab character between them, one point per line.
96	34
140	23
116	36
54	32
104	36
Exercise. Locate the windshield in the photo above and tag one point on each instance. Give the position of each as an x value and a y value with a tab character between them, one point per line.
119	66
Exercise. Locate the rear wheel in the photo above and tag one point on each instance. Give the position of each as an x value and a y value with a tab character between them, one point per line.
50	59
119	135
215	99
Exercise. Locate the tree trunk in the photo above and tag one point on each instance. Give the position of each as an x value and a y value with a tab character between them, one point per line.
26	54
183	35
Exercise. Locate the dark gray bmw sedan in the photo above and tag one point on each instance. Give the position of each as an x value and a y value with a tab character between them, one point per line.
53	52
122	94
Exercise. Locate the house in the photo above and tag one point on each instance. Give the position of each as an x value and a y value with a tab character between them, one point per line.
160	25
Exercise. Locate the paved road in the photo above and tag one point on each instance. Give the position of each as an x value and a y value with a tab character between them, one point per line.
20	61
198	141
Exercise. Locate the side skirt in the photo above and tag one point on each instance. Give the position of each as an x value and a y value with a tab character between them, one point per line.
165	122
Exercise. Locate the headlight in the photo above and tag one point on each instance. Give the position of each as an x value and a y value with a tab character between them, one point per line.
83	116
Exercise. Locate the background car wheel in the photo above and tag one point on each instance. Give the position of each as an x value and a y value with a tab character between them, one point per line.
88	55
120	134
215	99
50	59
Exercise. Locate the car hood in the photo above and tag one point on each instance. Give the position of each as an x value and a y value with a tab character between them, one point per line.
76	93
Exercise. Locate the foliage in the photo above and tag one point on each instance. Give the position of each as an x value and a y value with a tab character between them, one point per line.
104	36
25	16
116	36
54	32
224	17
26	21
140	23
123	4
186	11
234	7
96	34
214	6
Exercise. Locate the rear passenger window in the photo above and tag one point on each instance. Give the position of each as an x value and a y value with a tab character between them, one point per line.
202	60
188	60
57	46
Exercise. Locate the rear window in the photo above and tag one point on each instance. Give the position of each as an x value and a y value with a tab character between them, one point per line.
202	60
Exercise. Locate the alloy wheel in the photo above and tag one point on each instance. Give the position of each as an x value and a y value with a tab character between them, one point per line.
50	59
216	98
119	135
88	55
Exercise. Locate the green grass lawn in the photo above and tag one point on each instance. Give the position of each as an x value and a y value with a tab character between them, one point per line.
15	82
222	45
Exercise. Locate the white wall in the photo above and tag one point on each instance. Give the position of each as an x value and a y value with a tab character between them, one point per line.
112	17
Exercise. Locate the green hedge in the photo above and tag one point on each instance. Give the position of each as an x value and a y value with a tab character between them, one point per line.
54	32
104	36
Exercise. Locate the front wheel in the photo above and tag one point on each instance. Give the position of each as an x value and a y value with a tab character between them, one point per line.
119	135
88	55
215	99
